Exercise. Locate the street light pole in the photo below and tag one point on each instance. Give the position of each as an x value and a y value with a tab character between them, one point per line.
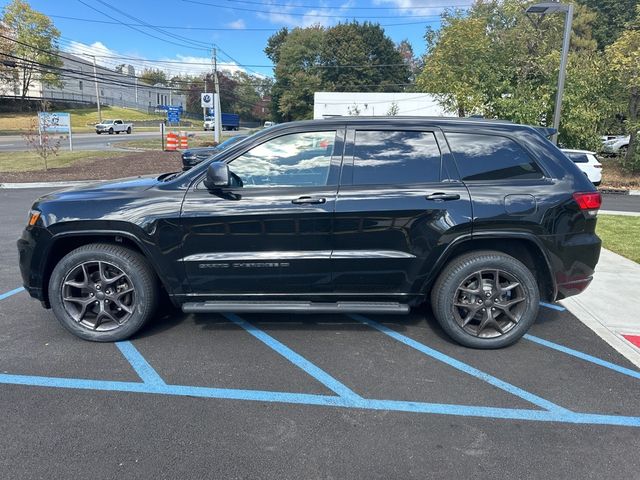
542	9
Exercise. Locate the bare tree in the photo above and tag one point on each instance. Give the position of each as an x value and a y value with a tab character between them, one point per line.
41	141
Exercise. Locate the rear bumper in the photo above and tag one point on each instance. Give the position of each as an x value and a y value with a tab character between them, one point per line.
573	262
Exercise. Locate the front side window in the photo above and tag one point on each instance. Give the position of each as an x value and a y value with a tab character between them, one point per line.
293	160
491	157
395	157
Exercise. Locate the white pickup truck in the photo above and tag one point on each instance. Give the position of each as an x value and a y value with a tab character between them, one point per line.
113	126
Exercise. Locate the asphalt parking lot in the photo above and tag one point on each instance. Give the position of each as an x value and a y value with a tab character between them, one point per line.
325	396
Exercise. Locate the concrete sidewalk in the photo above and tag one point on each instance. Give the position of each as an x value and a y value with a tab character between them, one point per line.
610	305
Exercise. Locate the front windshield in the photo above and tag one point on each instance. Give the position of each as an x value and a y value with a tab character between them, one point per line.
107	121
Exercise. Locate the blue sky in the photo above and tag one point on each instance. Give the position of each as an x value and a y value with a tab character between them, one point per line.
188	49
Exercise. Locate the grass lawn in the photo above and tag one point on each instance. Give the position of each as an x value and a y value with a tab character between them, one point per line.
620	234
82	119
30	161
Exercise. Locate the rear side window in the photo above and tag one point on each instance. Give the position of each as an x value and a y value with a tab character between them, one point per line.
395	157
578	157
490	157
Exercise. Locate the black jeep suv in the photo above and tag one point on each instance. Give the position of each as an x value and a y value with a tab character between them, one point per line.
483	219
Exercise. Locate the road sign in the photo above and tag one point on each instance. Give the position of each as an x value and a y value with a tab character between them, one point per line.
173	117
206	100
54	122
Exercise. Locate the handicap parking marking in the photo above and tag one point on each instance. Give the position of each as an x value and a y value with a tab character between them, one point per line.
553	306
152	383
295	358
583	356
11	292
461	366
144	370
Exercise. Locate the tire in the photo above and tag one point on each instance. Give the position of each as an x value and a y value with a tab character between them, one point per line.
111	131
98	132
93	301
455	289
128	130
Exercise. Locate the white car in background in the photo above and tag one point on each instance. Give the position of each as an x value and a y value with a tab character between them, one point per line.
617	145
587	162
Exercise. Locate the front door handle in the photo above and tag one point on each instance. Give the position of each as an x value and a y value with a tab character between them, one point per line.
309	200
443	196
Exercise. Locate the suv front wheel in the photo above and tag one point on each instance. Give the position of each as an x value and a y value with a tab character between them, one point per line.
102	292
485	299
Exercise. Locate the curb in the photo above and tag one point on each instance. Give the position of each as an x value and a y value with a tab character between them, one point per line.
618	191
613	212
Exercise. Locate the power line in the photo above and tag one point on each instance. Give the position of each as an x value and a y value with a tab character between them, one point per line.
139	30
298	14
214	29
196	43
395	7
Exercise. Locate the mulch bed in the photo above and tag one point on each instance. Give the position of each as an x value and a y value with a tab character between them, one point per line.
128	165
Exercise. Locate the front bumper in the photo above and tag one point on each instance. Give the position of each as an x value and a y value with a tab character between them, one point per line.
32	255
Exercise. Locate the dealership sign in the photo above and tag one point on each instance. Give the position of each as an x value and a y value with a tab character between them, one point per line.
54	122
206	100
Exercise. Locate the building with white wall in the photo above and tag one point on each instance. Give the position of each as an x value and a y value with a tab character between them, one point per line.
376	104
115	88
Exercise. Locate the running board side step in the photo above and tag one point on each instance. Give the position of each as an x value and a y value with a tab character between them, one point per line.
295	307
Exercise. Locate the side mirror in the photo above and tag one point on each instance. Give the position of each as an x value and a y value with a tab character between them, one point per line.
217	176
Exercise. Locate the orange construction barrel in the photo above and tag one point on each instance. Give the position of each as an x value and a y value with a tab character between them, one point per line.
172	142
184	141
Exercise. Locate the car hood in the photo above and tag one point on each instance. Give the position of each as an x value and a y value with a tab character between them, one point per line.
95	190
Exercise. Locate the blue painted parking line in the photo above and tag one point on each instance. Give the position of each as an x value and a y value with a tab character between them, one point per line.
463	367
324	400
553	306
298	360
11	292
584	356
145	371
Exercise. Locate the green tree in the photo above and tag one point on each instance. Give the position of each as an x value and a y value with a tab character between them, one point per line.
378	64
612	16
468	69
624	57
348	56
153	76
297	77
35	44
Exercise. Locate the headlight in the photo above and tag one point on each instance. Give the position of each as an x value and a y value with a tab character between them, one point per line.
34	216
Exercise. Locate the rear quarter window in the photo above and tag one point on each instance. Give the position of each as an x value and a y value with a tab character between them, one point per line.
578	157
491	157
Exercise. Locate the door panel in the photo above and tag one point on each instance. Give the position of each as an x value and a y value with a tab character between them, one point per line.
395	233
266	235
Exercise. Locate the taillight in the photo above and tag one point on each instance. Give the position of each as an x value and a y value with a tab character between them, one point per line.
588	202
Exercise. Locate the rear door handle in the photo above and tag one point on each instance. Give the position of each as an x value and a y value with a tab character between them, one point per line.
309	200
443	196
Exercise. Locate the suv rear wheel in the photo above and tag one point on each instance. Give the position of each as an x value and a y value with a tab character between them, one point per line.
102	292
485	299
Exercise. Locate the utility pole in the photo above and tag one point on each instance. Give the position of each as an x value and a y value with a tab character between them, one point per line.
95	78
216	101
204	109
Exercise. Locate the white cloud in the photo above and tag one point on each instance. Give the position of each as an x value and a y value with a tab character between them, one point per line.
237	24
176	65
